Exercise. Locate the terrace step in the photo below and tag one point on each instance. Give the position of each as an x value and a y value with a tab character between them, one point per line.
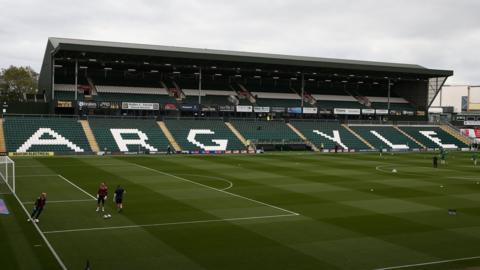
408	136
456	134
169	136
237	133
300	134
89	134
358	136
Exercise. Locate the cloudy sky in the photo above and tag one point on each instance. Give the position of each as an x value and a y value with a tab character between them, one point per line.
442	34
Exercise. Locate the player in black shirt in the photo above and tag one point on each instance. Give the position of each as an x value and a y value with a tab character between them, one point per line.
118	197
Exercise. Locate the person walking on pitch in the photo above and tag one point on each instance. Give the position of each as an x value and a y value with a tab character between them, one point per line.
38	208
118	197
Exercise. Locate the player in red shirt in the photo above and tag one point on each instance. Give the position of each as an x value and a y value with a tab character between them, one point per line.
39	205
102	196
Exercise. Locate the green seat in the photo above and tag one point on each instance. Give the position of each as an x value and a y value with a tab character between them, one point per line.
389	133
416	132
193	135
102	129
311	129
68	96
19	130
265	131
393	106
122	97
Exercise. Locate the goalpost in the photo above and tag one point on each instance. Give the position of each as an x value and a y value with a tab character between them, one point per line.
7	174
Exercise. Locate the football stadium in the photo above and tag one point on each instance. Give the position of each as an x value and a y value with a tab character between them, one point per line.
218	159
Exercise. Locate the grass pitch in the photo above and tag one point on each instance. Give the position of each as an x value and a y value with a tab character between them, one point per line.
271	211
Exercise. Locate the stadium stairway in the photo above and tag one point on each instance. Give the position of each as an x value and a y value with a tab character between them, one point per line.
408	136
90	137
237	133
3	147
459	136
358	136
300	134
169	136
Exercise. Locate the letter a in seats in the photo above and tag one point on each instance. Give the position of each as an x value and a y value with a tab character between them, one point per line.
36	139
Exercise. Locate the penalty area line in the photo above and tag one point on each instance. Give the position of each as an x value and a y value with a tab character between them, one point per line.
62	201
77	187
219	190
168	224
428	263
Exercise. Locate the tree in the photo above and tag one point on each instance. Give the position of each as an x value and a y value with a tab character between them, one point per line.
16	82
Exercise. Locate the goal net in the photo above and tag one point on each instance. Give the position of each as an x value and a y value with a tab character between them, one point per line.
7	175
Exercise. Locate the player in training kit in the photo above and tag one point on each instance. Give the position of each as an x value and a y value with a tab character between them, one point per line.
474	159
443	156
38	208
102	196
435	161
118	197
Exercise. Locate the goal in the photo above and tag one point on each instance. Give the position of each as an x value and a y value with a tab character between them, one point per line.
7	175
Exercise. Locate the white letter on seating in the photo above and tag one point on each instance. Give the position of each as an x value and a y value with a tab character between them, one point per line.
123	143
430	133
221	144
387	142
36	139
335	138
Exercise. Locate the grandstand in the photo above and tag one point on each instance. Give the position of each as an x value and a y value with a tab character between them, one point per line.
97	77
146	98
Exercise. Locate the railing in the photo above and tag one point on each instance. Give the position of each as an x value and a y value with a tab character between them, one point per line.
41	115
277	142
456	129
193	118
381	122
144	117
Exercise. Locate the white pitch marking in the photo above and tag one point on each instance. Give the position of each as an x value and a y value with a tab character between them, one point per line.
36	175
219	190
168	224
72	165
79	188
466	178
61	201
429	263
230	184
42	235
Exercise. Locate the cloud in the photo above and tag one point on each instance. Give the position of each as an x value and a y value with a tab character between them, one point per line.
439	34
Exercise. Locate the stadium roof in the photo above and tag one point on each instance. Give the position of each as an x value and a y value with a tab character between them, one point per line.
92	46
